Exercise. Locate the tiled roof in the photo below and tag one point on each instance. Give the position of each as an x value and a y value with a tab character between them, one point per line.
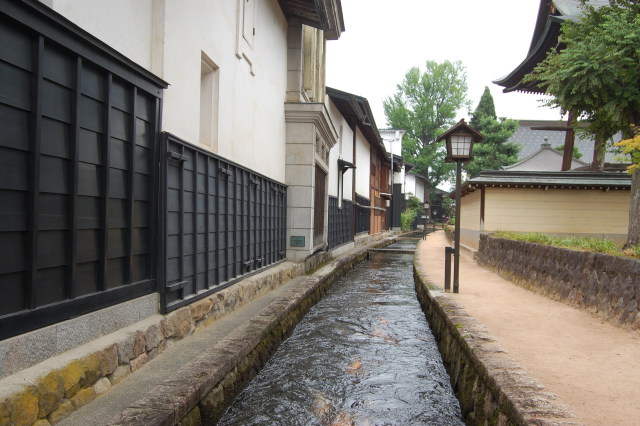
531	140
549	180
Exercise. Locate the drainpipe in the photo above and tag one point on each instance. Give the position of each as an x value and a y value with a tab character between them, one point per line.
353	185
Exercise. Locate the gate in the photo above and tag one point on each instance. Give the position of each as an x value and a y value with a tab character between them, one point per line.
222	222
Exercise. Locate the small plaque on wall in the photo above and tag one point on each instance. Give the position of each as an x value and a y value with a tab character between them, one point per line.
297	241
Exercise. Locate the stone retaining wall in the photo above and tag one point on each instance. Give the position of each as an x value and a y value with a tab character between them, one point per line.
491	387
608	286
49	391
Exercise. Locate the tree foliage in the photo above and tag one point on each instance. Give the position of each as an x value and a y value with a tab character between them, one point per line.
494	152
597	75
486	108
425	105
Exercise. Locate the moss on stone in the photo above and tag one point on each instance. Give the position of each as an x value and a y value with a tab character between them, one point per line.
83	397
65	408
51	393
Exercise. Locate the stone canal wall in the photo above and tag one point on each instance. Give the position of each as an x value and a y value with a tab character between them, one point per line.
200	392
49	391
203	389
608	286
492	388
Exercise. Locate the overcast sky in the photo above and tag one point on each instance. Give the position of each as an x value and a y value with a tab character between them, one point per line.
384	38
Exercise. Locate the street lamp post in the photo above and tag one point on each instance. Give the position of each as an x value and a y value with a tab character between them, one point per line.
426	206
459	141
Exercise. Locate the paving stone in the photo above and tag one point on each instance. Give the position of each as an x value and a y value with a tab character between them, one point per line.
178	323
201	308
125	348
153	337
109	360
138	362
120	373
65	408
138	344
102	386
83	397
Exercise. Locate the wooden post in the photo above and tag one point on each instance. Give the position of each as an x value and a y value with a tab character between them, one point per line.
569	139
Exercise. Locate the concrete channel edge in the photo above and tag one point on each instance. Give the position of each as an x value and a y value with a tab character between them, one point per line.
492	388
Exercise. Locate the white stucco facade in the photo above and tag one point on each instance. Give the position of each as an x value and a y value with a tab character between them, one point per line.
363	165
178	41
340	184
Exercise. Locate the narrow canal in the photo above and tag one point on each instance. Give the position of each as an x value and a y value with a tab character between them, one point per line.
364	355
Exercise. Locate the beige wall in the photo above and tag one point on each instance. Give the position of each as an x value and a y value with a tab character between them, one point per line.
470	219
556	211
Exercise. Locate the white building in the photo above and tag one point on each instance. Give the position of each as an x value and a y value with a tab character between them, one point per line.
154	152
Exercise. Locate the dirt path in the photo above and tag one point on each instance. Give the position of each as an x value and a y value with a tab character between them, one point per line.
592	366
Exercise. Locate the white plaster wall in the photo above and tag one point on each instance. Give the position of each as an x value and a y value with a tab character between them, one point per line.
251	129
419	185
125	25
343	149
391	143
392	140
363	165
410	184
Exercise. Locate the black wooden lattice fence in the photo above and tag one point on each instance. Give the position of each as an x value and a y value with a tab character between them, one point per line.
340	222
78	139
223	222
363	214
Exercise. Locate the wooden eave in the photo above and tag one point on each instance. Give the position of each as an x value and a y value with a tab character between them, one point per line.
477	136
548	40
356	110
325	15
546	34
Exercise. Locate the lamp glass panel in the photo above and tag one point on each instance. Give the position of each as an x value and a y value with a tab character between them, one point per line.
461	146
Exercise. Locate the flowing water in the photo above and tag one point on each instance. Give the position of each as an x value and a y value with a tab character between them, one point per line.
364	355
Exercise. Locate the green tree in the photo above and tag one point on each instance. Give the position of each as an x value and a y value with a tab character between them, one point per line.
426	104
485	108
494	152
597	75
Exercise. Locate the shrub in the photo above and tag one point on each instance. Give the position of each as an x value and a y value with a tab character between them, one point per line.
406	218
596	245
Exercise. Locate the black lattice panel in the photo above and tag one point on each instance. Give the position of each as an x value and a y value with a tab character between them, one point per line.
223	221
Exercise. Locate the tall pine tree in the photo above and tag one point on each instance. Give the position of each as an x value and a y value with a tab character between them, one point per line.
495	151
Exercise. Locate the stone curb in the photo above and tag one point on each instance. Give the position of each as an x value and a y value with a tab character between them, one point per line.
491	387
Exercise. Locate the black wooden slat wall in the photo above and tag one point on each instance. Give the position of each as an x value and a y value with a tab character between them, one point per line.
223	222
340	222
399	205
362	214
77	179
